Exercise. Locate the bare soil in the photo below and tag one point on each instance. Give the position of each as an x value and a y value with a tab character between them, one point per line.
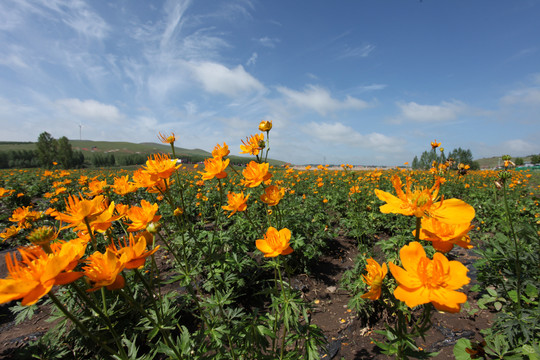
349	338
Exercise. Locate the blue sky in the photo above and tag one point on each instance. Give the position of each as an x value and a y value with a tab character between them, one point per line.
360	82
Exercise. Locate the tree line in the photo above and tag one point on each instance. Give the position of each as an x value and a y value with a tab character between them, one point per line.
455	156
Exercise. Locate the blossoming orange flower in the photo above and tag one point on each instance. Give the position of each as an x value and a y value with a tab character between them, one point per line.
421	202
272	195
5	192
104	270
252	145
35	275
160	167
140	217
444	236
96	187
254	174
275	242
123	186
422	280
23	216
167	139
134	250
237	202
435	144
220	152
79	211
265	125
9	232
214	168
374	278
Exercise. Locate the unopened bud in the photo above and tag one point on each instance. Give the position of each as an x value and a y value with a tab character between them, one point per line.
153	227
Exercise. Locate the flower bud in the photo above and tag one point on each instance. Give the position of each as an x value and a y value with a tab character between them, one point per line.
265	125
153	227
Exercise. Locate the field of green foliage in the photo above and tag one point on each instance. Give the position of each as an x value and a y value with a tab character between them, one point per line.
171	262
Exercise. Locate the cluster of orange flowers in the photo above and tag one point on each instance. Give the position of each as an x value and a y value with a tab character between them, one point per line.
50	262
443	222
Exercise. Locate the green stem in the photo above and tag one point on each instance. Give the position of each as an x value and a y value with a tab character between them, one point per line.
418	227
81	326
517	263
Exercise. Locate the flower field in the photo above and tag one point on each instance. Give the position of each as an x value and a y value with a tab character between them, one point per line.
206	262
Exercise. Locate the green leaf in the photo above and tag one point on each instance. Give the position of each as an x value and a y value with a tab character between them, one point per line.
459	349
498	305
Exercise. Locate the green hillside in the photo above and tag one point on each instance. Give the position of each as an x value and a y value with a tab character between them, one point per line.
89	148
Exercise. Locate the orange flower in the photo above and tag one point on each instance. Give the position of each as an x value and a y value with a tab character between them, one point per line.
104	270
143	179
142	216
134	250
435	144
237	202
79	211
123	186
421	202
23	216
96	187
272	195
255	174
354	190
220	152
9	232
37	272
265	125
5	192
167	139
252	145
275	242
423	280
444	236
374	279
214	168
160	167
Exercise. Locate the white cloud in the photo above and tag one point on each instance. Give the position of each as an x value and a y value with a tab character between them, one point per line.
319	99
91	110
519	147
431	113
252	60
337	133
361	51
268	42
219	79
527	96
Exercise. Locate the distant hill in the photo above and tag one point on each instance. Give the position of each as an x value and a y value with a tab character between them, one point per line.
89	148
493	162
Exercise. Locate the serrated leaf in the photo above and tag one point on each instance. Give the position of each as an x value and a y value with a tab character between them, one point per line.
460	352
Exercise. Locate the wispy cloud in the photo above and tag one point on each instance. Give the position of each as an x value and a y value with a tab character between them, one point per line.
356	52
91	110
268	42
320	100
431	113
528	96
252	59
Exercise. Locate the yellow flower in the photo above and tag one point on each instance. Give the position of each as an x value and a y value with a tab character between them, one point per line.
140	217
421	202
220	152
160	167
444	236
275	242
272	195
167	139
422	280
214	168
35	275
134	250
265	125
374	278
104	270
254	174
252	145
237	202
123	186
5	192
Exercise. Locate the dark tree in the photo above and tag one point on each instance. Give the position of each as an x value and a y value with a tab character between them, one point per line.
47	149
